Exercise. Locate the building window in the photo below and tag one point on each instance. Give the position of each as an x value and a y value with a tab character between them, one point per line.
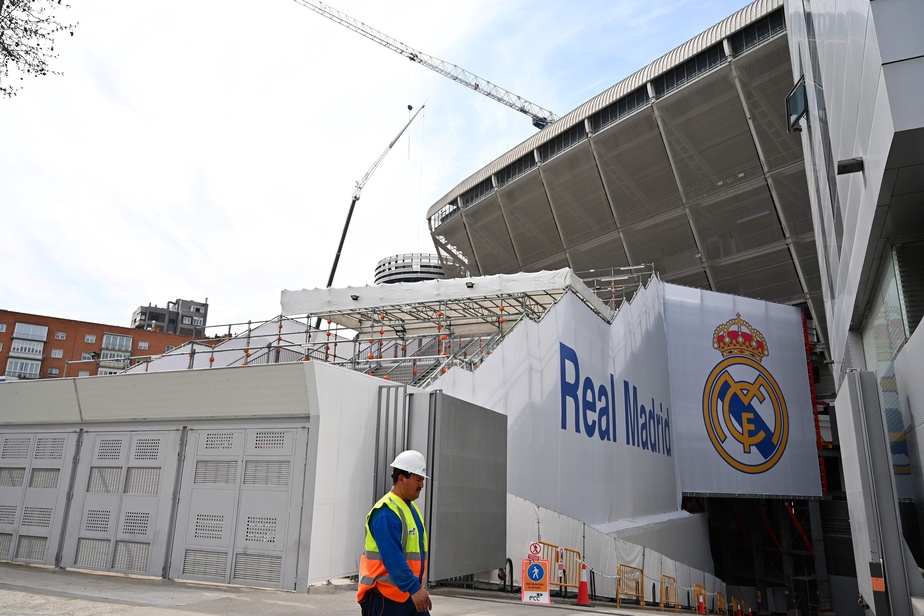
142	345
23	368
198	321
117	343
107	371
187	321
83	373
60	335
30	332
87	357
169	348
27	347
57	353
53	372
2	327
90	338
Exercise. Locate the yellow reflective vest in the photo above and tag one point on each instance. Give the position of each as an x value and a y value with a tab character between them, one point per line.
372	572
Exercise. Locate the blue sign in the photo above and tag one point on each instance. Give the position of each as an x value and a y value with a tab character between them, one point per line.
535	572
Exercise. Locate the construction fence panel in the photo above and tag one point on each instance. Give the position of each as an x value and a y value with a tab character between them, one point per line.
697	576
630	554
684	585
710	590
600	556
522	529
652	570
35	473
123	498
668	593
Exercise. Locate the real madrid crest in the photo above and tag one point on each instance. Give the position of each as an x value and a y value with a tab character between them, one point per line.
743	407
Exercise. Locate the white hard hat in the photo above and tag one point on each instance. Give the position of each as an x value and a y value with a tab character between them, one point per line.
412	462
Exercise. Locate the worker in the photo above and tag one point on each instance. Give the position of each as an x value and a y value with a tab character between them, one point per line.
393	566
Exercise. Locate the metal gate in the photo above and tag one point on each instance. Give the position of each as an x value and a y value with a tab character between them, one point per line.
35	470
240	506
123	495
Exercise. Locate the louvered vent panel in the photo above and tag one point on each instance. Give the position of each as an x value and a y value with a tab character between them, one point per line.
135	522
258	567
529	215
707	158
36	516
31	548
260	473
552	263
636	170
219	440
105	480
696	279
49	448
109	449
607	251
269	440
770	277
44	478
490	238
131	556
146	449
6	542
808	261
736	221
96	521
205	563
667	242
93	553
209	526
216	471
452	237
792	191
577	197
766	78
142	480
8	514
12	477
261	529
15	447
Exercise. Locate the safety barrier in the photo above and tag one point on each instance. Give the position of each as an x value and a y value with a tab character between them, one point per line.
669	593
720	607
699	592
565	562
631	583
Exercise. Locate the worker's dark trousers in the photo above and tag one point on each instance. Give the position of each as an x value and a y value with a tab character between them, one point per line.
374	604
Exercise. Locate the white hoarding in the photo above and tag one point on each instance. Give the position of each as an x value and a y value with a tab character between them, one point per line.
589	409
742	414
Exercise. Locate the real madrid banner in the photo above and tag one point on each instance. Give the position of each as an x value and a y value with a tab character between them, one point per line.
743	422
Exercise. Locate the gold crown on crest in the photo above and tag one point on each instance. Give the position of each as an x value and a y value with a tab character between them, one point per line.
737	337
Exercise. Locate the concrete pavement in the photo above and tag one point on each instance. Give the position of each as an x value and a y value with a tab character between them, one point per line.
32	590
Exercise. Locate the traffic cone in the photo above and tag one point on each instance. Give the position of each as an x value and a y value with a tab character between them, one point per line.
739	609
700	604
583	597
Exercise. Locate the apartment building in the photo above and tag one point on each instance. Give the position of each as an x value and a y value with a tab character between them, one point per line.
35	346
182	316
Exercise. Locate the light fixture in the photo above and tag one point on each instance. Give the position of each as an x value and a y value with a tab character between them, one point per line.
610	278
354	297
850	165
469	284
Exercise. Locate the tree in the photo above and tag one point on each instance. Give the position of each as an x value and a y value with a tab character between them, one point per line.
27	32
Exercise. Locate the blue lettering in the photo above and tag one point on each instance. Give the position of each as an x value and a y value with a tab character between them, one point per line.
643	425
667	432
603	414
631	414
569	389
590	407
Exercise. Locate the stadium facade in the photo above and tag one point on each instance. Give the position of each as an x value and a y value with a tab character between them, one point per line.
778	155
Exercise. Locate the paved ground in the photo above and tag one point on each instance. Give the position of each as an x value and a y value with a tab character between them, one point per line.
39	590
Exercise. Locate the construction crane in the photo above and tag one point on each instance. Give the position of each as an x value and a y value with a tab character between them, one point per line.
356	193
541	117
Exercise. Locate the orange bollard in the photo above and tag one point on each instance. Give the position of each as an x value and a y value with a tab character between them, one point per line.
583	595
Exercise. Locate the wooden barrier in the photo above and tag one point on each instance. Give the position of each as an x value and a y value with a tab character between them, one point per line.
669	593
720	607
631	583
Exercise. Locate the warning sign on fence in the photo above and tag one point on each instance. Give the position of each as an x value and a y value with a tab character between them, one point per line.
536	581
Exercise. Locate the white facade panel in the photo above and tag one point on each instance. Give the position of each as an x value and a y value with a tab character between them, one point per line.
743	424
573	445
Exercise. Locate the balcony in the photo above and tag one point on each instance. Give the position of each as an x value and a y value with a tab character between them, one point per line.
27	354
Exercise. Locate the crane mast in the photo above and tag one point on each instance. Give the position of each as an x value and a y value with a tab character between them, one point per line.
540	117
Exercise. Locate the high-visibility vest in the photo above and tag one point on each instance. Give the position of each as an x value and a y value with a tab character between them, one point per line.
372	572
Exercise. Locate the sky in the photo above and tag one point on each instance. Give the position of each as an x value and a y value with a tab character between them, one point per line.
210	148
